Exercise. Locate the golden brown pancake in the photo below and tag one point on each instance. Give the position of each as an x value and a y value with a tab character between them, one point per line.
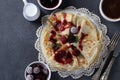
65	50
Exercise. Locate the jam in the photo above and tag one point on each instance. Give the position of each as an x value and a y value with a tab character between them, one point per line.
63	39
61	25
63	57
49	3
111	8
52	37
83	35
56	18
75	51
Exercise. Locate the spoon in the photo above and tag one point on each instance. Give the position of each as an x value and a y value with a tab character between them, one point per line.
30	11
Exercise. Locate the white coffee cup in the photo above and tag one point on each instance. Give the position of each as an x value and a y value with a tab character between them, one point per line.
104	16
30	11
59	3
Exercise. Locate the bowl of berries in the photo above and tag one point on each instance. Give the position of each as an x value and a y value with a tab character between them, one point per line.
37	71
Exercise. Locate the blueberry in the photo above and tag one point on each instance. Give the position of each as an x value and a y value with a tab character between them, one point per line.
71	38
29	77
29	70
36	70
74	30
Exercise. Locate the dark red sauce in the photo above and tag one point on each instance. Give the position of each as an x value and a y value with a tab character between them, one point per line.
52	36
49	3
56	18
64	15
68	58
79	27
63	57
63	39
111	8
83	35
61	25
75	51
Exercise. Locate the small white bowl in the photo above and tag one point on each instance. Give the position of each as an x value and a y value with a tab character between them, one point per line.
27	12
35	62
104	16
59	3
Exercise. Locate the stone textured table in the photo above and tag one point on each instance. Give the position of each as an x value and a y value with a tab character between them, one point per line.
17	38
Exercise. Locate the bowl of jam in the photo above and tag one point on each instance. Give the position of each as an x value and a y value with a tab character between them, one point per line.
49	4
110	10
37	71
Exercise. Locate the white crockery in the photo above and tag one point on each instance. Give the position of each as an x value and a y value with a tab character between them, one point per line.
30	11
60	1
104	16
41	63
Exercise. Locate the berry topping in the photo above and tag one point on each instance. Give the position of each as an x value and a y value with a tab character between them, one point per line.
69	58
61	27
53	32
63	57
45	71
60	54
29	70
52	39
36	70
76	52
63	39
52	36
71	38
29	77
74	30
83	35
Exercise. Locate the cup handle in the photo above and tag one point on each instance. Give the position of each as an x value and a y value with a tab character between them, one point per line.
25	2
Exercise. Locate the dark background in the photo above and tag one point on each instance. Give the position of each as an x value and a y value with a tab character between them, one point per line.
17	38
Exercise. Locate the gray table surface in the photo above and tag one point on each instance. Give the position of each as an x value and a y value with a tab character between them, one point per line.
17	38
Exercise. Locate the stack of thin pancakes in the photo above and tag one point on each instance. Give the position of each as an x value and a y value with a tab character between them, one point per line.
92	44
